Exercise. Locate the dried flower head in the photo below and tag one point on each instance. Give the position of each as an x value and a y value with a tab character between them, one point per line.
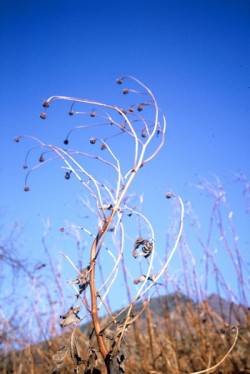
71	112
41	159
168	195
67	175
139	108
17	139
131	109
66	141
26	188
103	146
25	166
45	104
62	229
43	115
125	91
92	114
92	140
119	80
143	134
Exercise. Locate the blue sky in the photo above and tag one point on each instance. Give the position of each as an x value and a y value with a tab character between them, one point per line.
193	55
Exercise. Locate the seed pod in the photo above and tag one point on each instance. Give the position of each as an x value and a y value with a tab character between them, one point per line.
103	147
131	109
26	188
43	115
62	229
41	159
67	175
139	108
66	141
119	81
143	134
168	195
92	114
25	166
92	140
45	104
71	112
17	139
125	91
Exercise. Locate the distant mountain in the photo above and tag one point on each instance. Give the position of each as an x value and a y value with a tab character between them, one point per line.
176	303
230	312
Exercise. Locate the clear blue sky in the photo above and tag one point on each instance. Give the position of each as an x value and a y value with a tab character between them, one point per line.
193	55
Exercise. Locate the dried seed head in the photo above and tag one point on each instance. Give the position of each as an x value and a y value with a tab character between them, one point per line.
139	108
67	175
92	114
17	139
41	159
62	229
168	195
125	91
26	188
103	147
71	112
92	140
43	115
45	104
119	81
143	134
66	141
25	166
131	109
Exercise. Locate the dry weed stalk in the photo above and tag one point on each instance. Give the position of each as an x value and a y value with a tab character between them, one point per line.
147	135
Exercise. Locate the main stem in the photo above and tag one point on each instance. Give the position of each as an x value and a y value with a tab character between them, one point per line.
102	232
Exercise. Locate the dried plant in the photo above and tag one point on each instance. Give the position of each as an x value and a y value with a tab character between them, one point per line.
187	334
145	138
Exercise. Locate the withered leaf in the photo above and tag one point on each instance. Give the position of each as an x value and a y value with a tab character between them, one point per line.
120	325
59	357
74	351
146	249
82	280
92	359
70	317
143	277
